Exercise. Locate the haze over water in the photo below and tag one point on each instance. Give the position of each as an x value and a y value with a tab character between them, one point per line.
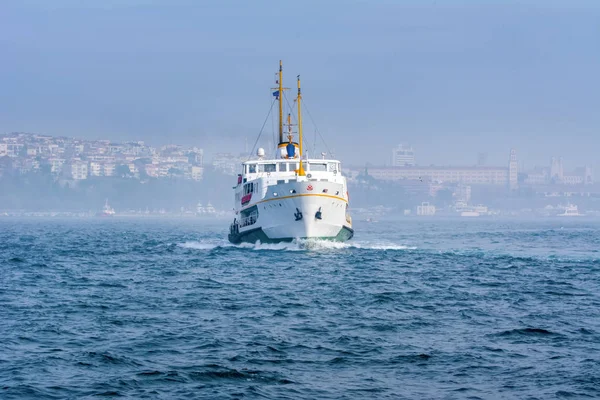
452	78
408	309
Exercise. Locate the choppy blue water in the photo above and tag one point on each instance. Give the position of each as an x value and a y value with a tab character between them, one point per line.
408	309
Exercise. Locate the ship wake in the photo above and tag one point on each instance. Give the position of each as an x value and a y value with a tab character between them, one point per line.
296	245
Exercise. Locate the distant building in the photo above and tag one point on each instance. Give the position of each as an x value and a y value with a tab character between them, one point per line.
481	159
513	171
464	175
109	169
227	163
403	156
79	170
56	165
12	149
95	168
555	175
197	156
426	209
556	169
588	175
462	193
539	176
151	170
197	173
477	175
133	169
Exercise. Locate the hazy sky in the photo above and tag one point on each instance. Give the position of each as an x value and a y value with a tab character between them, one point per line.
452	78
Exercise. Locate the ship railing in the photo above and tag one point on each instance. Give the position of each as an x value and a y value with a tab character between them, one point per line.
249	220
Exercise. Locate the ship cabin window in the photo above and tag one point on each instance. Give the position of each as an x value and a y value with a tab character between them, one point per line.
249	188
318	167
332	167
251	168
289	167
267	167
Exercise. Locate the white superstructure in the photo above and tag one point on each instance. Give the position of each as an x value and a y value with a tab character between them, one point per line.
274	203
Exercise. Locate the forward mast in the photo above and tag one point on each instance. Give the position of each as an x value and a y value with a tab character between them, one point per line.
288	148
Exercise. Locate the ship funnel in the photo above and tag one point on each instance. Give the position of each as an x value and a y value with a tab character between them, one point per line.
291	150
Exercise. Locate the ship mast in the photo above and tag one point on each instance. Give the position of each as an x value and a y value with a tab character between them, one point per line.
299	100
280	98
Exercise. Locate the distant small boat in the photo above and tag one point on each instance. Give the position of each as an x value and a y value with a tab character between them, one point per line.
107	211
571	210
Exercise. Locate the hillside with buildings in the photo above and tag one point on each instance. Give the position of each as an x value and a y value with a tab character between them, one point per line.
40	172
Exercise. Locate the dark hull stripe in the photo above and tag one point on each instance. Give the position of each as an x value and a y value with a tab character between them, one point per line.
258	235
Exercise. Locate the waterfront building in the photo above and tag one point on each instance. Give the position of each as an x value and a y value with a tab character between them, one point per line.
403	156
465	175
426	209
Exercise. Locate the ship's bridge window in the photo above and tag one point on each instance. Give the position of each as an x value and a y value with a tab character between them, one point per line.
251	168
267	167
318	167
332	167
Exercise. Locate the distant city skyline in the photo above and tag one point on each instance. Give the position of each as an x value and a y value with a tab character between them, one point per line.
229	160
457	77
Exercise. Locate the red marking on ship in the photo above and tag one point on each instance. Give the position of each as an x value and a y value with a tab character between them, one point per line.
246	199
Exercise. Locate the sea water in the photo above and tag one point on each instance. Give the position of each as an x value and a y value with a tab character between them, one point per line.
409	309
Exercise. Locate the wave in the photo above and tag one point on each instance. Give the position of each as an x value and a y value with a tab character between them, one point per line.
495	255
527	332
203	245
296	245
383	246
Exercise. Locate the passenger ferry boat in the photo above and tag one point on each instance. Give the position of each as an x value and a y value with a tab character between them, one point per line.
289	196
107	211
571	210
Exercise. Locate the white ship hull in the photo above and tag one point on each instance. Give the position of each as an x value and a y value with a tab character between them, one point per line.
300	215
